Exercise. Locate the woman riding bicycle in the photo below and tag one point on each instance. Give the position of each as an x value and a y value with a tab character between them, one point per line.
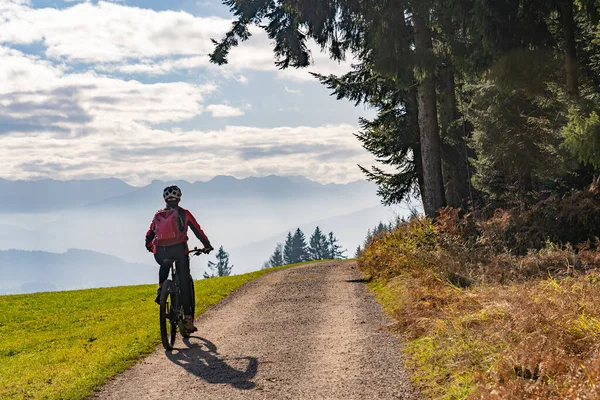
167	239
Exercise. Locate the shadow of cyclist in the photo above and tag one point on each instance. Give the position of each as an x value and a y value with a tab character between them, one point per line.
202	360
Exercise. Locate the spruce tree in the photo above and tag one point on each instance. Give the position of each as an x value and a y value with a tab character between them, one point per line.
299	247
447	122
288	256
276	259
334	250
221	267
378	31
318	245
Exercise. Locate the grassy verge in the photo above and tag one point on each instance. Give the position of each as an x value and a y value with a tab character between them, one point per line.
63	345
491	326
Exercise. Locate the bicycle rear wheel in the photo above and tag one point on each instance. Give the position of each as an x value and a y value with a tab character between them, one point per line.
192	305
192	297
168	323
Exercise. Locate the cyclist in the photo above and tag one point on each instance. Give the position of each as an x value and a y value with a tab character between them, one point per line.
167	239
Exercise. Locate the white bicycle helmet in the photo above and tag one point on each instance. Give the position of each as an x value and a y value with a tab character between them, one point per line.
172	193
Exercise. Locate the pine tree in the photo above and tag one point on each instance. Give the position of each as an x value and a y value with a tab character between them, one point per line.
299	247
445	123
392	137
364	29
377	231
334	250
221	267
288	255
276	259
318	245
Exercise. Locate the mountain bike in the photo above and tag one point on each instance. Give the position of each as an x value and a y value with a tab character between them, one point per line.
171	306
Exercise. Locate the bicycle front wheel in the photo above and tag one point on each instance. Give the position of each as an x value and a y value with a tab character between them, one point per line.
168	323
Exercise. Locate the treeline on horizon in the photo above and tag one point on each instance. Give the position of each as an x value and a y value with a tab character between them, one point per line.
295	249
480	103
377	231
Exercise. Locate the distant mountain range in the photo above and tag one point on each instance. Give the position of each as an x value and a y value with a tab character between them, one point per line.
53	195
246	216
39	271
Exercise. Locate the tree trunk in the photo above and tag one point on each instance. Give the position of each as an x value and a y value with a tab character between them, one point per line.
411	103
412	115
453	163
433	186
568	23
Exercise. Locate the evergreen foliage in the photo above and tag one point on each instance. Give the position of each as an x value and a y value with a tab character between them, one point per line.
318	245
476	101
221	267
288	253
334	249
376	232
481	105
299	247
582	136
276	259
296	250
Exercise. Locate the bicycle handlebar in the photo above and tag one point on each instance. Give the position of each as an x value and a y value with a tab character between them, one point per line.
196	251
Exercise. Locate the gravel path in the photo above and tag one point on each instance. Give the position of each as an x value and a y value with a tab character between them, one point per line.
308	332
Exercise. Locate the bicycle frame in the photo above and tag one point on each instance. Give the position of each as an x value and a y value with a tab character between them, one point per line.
176	307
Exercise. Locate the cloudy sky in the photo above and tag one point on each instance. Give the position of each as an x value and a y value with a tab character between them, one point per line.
124	88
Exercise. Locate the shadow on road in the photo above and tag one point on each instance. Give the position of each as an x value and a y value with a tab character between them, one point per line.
202	359
363	280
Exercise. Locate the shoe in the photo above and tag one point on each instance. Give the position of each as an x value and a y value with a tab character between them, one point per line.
157	299
188	325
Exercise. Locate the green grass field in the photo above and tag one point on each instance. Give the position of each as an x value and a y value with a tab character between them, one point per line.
63	345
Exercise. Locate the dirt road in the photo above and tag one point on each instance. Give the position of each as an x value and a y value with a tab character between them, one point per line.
308	332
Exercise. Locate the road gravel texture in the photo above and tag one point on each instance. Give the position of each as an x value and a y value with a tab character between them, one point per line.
307	332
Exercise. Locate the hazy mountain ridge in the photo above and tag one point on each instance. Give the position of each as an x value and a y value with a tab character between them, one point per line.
228	188
243	215
54	195
51	195
26	271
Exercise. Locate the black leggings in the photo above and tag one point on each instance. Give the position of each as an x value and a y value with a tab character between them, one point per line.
182	264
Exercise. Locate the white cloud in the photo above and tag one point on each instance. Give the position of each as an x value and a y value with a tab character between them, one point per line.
116	37
293	91
100	126
223	111
29	84
63	120
327	154
107	32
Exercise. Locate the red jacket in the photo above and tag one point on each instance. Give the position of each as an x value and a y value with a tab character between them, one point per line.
188	221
